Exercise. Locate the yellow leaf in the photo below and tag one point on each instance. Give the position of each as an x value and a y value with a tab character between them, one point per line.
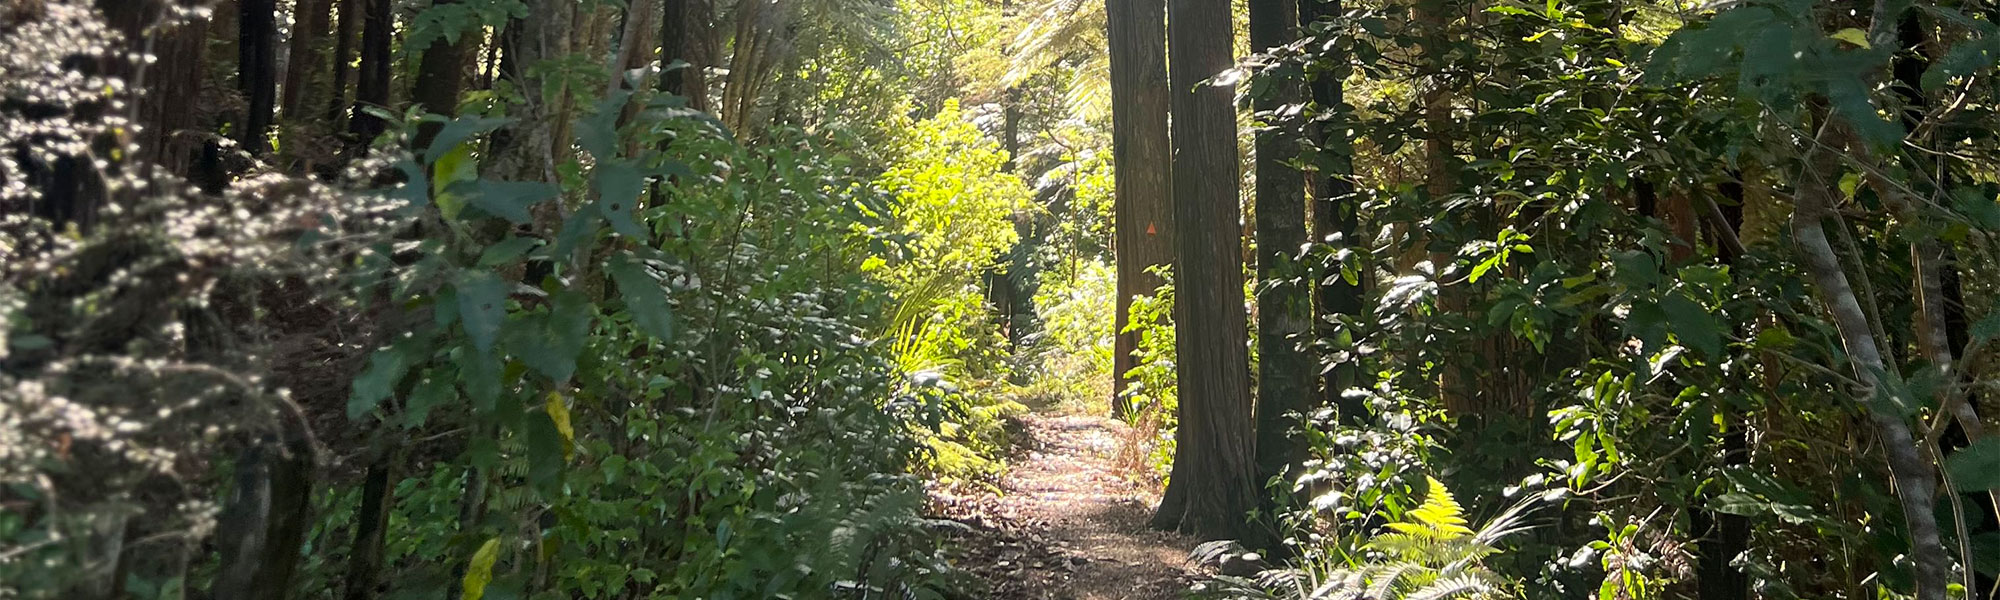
1852	36
559	413
480	571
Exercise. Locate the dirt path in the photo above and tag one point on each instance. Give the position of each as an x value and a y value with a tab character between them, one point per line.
1067	526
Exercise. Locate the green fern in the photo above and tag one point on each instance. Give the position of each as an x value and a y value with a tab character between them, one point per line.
1431	554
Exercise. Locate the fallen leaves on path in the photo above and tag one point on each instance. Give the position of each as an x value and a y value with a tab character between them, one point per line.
1066	526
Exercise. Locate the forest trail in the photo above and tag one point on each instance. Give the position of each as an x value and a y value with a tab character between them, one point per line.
1067	525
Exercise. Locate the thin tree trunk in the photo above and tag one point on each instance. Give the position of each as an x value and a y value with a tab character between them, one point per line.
371	522
530	148
343	53
1335	217
1143	199
1214	466
1915	479
1284	300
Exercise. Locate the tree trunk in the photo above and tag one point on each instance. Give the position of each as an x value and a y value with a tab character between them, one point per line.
371	521
685	34
1284	302
343	53
1142	203
262	530
372	82
441	78
303	79
530	148
257	71
1214	470
1915	479
1335	219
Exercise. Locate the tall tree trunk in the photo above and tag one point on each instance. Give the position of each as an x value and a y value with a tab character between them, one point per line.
1284	300
441	78
1335	217
1213	485
1143	216
257	71
372	82
337	105
685	35
304	79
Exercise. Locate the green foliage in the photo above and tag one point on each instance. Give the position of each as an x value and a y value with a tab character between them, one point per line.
1154	393
951	215
1428	554
1070	359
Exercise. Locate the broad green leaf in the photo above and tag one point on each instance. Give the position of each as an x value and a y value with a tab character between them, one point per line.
507	251
451	171
482	305
644	297
545	454
1987	328
435	390
550	342
1965	58
481	372
1850	100
1976	467
511	199
456	131
386	368
479	571
618	187
1693	324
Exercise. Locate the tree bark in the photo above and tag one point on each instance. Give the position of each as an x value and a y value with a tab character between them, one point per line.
1915	479
371	521
529	148
343	53
1214	470
1284	301
303	78
1143	201
685	34
1335	216
372	81
441	77
257	72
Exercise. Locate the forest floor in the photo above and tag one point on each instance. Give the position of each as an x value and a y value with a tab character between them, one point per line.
1066	524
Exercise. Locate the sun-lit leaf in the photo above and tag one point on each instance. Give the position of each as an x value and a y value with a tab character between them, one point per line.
479	570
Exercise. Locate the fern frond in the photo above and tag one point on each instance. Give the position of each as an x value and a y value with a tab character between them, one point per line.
1382	581
1341	585
1464	585
1440	511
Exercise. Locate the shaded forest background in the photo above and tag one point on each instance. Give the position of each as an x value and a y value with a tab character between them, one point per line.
1415	299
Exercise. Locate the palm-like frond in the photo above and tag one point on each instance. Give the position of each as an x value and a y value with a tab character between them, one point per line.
1465	585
